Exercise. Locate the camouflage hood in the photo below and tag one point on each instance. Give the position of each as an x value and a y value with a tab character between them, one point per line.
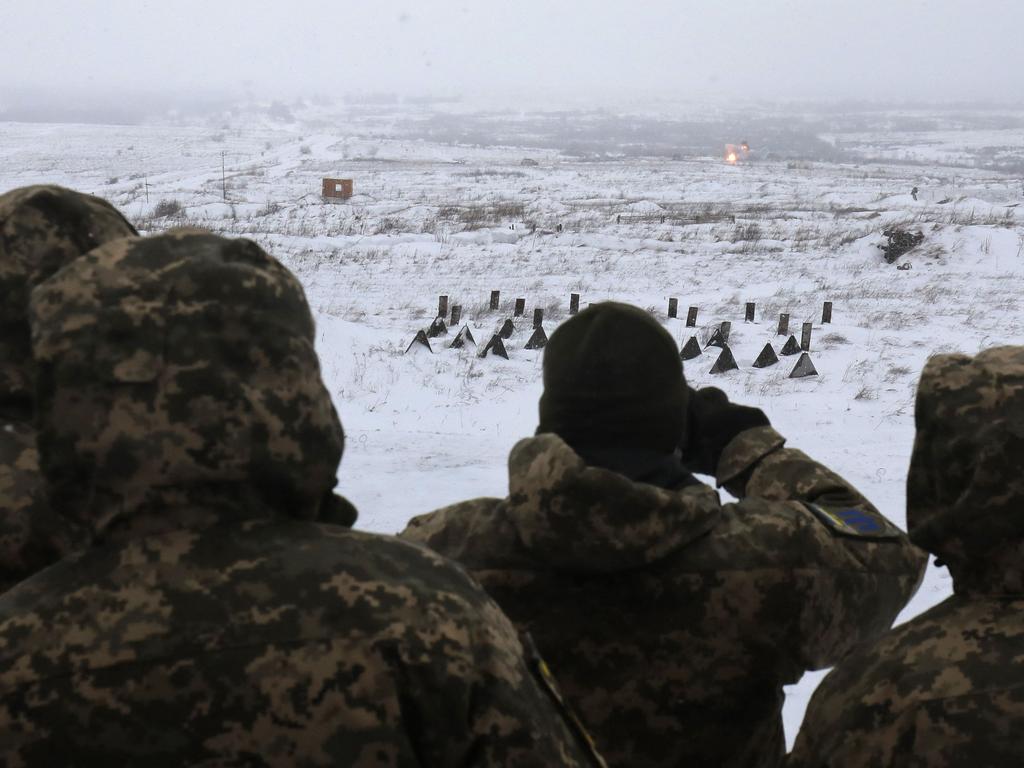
965	489
178	372
585	518
42	228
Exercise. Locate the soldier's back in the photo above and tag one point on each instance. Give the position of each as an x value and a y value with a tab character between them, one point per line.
672	621
944	689
265	643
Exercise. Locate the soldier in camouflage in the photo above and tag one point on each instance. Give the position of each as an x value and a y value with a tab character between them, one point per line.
673	620
947	688
215	619
41	229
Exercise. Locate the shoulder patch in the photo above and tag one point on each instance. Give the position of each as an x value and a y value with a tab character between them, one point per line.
854	522
543	675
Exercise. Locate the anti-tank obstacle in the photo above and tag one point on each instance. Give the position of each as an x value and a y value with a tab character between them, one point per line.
690	350
725	361
767	357
419	343
463	339
495	348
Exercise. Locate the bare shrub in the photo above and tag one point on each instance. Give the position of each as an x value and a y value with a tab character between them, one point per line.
509	209
866	392
167	208
480	174
834	340
388	224
750	233
896	372
483	215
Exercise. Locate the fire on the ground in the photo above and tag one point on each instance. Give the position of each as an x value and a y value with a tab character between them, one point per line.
737	153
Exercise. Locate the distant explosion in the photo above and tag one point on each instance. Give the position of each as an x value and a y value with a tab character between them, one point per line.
737	153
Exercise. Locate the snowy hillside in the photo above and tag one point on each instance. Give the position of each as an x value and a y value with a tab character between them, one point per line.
463	219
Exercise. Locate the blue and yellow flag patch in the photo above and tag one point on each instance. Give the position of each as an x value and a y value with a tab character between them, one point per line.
853	521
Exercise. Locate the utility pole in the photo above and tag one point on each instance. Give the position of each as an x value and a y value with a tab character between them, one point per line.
145	181
223	177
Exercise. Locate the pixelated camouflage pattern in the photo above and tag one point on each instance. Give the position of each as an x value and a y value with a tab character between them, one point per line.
180	361
947	688
211	622
41	229
965	487
31	535
268	643
671	620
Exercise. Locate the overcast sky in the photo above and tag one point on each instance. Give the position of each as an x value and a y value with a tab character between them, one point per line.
762	49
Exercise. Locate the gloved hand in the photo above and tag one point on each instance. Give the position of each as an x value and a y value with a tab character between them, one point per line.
711	423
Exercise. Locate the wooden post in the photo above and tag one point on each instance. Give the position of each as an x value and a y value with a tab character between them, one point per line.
538	317
574	303
456	314
495	299
691	317
805	337
673	307
826	313
748	317
726	329
520	308
442	306
783	324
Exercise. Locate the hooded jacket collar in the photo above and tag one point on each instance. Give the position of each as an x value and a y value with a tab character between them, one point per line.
965	490
588	518
177	383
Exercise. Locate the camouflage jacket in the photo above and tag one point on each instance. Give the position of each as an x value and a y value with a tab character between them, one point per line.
672	620
269	642
214	620
947	688
41	229
944	690
31	536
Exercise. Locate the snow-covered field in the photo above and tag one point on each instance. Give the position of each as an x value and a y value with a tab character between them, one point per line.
462	219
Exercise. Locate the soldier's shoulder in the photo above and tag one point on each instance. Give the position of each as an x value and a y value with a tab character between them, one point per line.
948	651
796	533
181	591
471	531
946	672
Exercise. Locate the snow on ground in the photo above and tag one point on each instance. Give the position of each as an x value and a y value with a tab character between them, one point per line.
462	220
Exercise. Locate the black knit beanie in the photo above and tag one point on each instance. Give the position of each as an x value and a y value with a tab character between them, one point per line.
613	380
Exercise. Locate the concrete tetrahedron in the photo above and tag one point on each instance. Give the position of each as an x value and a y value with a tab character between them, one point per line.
419	343
766	358
725	361
716	340
437	328
464	339
690	350
494	347
507	329
804	367
538	339
791	347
